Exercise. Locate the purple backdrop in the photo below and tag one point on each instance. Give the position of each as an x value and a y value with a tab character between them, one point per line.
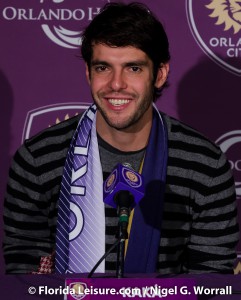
42	78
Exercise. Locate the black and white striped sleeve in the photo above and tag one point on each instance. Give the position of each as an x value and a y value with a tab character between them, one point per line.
214	229
27	231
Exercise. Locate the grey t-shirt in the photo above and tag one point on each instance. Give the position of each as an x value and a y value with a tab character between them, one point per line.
110	157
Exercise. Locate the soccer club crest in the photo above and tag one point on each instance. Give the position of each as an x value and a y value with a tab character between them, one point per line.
229	143
46	116
216	27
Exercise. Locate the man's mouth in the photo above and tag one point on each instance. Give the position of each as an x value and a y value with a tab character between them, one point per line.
118	102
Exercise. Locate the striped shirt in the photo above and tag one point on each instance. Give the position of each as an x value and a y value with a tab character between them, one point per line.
199	225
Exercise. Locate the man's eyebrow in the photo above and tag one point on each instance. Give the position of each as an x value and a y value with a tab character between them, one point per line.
136	63
99	62
126	64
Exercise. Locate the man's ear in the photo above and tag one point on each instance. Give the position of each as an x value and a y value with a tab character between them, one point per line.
87	73
162	75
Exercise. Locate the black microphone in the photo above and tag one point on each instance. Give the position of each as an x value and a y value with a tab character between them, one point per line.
123	189
124	201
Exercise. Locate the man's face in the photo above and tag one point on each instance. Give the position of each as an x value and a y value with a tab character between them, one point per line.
121	81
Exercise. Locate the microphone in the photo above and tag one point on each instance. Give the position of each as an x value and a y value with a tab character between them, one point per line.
123	189
123	178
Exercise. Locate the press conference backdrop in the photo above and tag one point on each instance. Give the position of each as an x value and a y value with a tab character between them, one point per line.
42	77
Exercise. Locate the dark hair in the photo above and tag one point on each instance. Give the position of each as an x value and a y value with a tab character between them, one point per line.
131	24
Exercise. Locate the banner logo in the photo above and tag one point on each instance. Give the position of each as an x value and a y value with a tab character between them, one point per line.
228	13
62	36
61	21
230	144
216	27
45	116
79	290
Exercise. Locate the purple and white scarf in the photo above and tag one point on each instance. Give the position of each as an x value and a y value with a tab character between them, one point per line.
80	239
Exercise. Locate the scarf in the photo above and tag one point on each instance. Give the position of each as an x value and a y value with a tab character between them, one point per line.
80	237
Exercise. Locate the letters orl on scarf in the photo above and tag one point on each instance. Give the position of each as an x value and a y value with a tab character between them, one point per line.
80	239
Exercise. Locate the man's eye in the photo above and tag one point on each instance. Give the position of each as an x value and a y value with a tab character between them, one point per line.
100	68
135	69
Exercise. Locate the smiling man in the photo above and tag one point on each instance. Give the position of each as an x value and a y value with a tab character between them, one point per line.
187	219
121	81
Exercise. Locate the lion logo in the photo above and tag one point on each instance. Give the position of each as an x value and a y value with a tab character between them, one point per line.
132	176
227	12
110	180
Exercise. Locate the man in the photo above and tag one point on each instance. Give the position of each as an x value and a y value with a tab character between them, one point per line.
186	222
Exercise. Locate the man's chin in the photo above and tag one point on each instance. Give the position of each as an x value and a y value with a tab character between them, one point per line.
121	125
118	126
116	121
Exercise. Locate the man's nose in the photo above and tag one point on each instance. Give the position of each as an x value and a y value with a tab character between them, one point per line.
118	81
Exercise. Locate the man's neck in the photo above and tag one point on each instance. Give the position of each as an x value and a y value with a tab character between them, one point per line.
131	139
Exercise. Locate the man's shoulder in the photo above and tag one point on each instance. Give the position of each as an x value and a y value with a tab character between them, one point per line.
184	136
58	134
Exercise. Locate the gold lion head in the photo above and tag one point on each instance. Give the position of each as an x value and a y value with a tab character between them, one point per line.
227	12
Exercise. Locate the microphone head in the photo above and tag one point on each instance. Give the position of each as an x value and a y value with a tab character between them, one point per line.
123	178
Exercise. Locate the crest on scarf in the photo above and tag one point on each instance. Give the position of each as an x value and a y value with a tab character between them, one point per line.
216	27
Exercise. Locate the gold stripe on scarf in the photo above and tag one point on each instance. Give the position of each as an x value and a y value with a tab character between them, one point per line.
132	212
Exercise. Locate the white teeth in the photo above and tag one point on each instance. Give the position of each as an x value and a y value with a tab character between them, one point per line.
118	102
